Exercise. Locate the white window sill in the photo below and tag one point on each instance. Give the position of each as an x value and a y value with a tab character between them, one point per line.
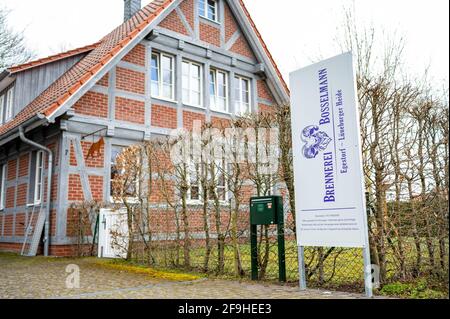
210	20
194	106
164	99
200	202
221	112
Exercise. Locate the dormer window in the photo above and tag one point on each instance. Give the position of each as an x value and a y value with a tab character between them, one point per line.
208	9
6	105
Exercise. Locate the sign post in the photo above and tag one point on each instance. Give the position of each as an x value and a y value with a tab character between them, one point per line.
267	211
328	172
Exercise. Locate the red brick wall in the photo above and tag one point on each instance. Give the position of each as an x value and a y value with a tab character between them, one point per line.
53	223
231	25
21	195
264	92
20	224
93	104
24	164
8	226
188	9
263	108
130	110
10	194
242	47
131	81
136	55
12	169
190	117
96	184
96	161
75	190
163	116
220	122
72	159
210	34
174	23
104	81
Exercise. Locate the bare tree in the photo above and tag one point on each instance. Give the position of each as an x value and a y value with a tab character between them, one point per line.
13	49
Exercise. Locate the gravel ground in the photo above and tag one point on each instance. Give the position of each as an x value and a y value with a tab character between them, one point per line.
43	278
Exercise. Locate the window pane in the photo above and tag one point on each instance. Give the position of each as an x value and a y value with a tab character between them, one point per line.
185	82
212	10
9	104
222	91
155	75
237	92
185	69
166	63
195	98
201	7
155	88
221	79
245	85
221	193
167	91
221	104
155	61
245	97
212	88
115	152
195	71
195	194
167	77
185	95
196	84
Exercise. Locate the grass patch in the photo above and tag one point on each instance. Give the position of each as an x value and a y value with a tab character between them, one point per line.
122	265
420	289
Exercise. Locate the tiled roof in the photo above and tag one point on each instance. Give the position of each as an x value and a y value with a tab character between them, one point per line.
102	52
83	71
52	58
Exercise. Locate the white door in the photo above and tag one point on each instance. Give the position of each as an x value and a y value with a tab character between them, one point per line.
113	234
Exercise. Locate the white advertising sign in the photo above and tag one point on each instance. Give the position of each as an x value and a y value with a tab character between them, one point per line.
329	185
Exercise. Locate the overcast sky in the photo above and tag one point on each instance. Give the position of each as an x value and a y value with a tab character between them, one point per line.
296	31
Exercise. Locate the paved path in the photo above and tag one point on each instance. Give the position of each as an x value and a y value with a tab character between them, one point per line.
44	278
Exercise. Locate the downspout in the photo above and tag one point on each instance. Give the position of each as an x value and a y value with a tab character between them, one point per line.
49	185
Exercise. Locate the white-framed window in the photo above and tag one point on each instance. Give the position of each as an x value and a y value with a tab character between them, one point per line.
242	96
7	105
196	171
2	185
163	76
220	180
39	178
192	83
209	9
218	90
133	188
2	105
195	191
115	152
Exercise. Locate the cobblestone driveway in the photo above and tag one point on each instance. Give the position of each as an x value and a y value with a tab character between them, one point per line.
41	278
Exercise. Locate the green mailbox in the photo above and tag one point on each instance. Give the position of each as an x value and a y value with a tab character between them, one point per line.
267	211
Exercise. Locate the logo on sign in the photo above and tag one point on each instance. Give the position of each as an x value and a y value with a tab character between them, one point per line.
315	141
